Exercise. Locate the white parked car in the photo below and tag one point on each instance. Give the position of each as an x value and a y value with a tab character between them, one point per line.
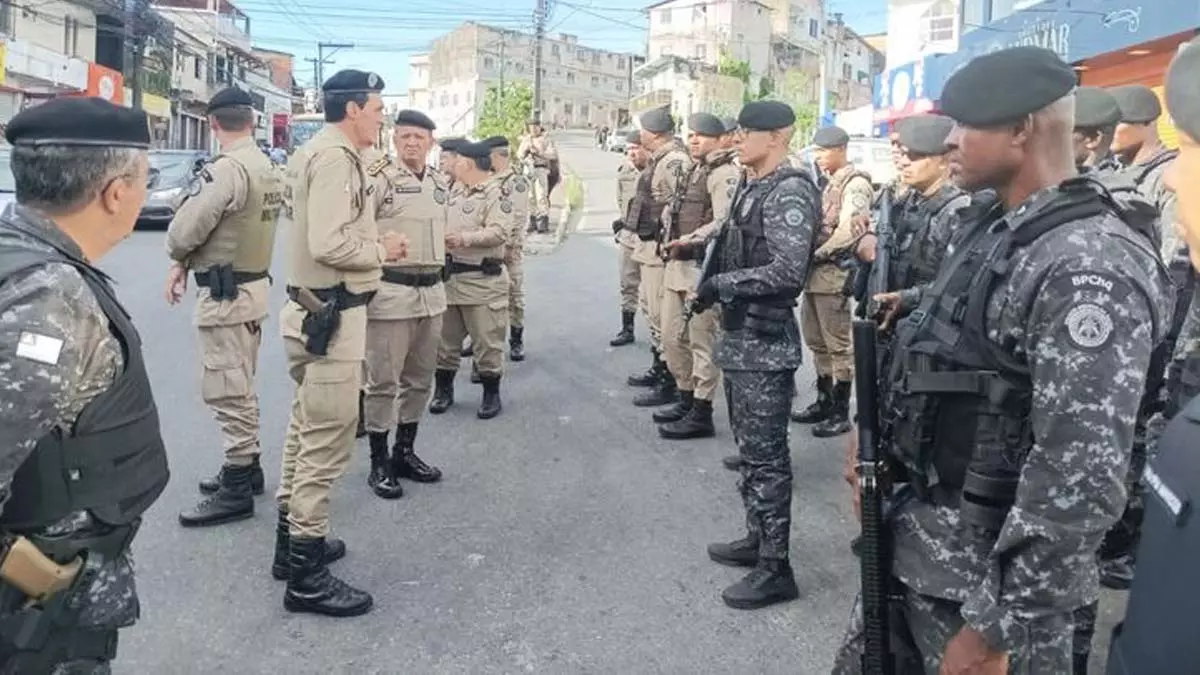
616	140
873	155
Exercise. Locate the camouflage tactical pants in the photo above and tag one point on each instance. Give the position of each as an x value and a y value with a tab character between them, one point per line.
759	405
930	623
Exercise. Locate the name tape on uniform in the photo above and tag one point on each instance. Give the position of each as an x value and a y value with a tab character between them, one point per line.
40	348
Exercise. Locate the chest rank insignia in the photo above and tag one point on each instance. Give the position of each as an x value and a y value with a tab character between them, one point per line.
378	166
505	206
439	195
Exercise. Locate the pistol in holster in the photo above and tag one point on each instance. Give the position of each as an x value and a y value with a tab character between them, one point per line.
221	283
321	321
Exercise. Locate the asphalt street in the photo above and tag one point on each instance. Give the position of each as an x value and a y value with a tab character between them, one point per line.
566	537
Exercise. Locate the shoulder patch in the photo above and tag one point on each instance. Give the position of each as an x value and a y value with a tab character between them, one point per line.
1089	326
206	174
521	184
378	166
439	195
675	164
506	206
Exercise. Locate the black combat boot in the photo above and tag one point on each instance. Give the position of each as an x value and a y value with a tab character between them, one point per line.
740	553
533	224
698	423
1079	664
211	485
663	393
443	391
362	429
821	409
838	422
625	335
771	582
1117	573
490	406
335	549
516	343
475	373
311	588
677	411
732	462
232	501
543	225
650	377
405	463
382	480
468	349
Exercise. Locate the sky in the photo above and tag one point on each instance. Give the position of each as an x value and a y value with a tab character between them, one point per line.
385	33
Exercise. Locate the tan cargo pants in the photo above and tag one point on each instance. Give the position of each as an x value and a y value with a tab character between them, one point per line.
825	324
401	357
650	299
320	434
486	324
229	362
690	359
539	198
630	275
516	291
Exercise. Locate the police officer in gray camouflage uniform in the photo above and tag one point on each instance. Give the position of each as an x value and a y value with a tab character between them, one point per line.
763	251
75	402
1020	380
1096	117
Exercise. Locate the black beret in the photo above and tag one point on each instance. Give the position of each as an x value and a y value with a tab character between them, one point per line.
1137	103
1183	94
79	121
353	82
706	124
766	116
414	118
496	142
228	98
1095	108
476	150
1004	86
658	121
452	144
634	137
925	134
831	137
730	124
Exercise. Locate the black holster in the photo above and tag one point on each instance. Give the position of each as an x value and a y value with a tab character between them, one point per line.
222	282
488	267
35	637
769	319
320	327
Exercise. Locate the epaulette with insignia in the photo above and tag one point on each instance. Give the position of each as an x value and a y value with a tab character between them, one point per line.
378	166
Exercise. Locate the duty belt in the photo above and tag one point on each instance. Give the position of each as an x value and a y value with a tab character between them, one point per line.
687	253
489	267
337	294
222	282
415	279
204	280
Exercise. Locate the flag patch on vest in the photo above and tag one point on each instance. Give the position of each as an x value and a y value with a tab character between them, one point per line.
1089	326
40	348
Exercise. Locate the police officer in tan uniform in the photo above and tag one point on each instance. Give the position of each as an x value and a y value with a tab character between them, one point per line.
628	270
825	309
337	253
404	319
537	152
477	228
515	188
704	201
224	235
666	170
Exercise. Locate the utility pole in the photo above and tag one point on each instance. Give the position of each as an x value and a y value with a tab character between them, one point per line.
136	24
501	69
539	36
321	61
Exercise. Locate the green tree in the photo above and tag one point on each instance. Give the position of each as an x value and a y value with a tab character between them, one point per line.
727	65
505	111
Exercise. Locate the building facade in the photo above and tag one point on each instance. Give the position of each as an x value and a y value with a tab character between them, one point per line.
919	28
851	65
581	86
707	31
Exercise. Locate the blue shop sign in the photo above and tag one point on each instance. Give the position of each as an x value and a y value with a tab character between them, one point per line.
901	91
1076	29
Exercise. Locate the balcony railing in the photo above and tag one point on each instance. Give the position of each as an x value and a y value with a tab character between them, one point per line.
651	99
230	31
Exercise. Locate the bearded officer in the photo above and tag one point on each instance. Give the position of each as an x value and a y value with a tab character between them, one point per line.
1031	347
628	271
75	390
337	255
515	188
1158	635
537	153
477	291
707	193
404	319
666	170
825	312
224	235
1096	117
763	252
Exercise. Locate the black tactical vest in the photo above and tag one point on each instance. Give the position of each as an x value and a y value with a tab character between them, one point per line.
645	209
113	463
747	245
914	263
960	404
696	209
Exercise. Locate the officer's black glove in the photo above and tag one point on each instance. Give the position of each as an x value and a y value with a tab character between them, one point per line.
618	225
707	295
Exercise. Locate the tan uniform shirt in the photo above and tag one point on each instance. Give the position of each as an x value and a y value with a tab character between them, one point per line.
204	231
671	169
475	212
627	177
857	196
514	193
537	150
414	206
683	275
335	238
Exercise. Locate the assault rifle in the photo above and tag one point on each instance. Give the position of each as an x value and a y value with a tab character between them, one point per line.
877	278
874	547
667	234
708	268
